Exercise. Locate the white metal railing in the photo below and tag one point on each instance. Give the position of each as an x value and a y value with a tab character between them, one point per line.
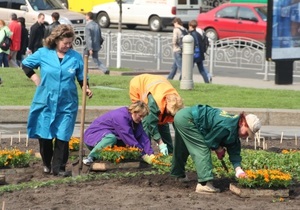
156	52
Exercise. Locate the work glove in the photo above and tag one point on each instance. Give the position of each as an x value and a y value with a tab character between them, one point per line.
148	158
163	149
220	152
239	173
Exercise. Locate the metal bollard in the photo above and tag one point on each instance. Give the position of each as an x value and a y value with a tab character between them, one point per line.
187	63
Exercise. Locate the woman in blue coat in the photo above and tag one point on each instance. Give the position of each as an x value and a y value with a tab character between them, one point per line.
55	104
120	126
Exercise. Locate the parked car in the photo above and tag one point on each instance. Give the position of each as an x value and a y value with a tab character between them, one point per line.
235	19
29	9
157	14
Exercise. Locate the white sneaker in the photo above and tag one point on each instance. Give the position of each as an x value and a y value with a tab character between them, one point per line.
182	179
208	188
88	160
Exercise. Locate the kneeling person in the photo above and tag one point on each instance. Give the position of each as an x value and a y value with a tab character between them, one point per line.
123	125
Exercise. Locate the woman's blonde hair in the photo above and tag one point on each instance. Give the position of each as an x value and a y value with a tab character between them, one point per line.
174	103
139	107
58	33
2	22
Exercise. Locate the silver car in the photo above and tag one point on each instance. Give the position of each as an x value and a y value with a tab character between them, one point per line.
29	9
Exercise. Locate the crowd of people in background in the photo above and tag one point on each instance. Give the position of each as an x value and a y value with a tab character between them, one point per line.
26	41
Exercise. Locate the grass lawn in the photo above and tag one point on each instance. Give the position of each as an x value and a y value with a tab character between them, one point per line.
17	89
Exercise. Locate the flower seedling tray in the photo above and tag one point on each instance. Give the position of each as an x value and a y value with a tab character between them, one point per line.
104	166
247	192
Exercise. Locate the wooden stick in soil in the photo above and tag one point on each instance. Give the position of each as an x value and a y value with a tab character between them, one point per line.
26	144
19	136
3	205
11	140
281	138
82	120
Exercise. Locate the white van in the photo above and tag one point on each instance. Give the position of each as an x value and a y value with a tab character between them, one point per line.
157	14
29	9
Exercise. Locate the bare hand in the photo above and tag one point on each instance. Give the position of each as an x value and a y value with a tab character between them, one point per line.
89	93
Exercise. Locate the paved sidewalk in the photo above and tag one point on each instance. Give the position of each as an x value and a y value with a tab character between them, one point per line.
252	83
270	132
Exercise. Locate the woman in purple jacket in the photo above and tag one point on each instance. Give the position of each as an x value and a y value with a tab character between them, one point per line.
120	125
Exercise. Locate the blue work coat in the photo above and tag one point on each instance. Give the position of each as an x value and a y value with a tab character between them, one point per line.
55	104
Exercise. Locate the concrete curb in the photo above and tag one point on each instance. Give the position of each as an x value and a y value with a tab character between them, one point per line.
271	117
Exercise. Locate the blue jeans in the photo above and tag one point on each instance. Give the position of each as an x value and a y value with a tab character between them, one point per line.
4	59
202	71
177	64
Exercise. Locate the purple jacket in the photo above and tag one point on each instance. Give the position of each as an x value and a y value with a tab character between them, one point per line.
118	122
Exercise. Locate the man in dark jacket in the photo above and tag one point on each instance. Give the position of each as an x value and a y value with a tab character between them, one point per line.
55	17
37	33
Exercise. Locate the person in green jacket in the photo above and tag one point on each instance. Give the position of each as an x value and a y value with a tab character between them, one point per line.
200	129
4	54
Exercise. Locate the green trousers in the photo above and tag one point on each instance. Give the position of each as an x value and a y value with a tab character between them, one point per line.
164	131
108	140
189	141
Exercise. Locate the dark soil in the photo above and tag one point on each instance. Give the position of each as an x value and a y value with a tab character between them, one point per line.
134	193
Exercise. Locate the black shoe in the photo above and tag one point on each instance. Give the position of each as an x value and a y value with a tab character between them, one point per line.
107	72
0	81
63	173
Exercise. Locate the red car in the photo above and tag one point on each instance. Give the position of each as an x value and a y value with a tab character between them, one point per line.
235	19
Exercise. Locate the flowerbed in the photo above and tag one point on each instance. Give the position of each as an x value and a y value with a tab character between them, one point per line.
15	158
116	154
264	169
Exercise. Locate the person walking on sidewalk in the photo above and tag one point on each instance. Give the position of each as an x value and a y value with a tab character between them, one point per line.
37	33
122	126
4	30
163	101
24	41
92	41
198	45
178	32
55	17
54	107
200	129
16	29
